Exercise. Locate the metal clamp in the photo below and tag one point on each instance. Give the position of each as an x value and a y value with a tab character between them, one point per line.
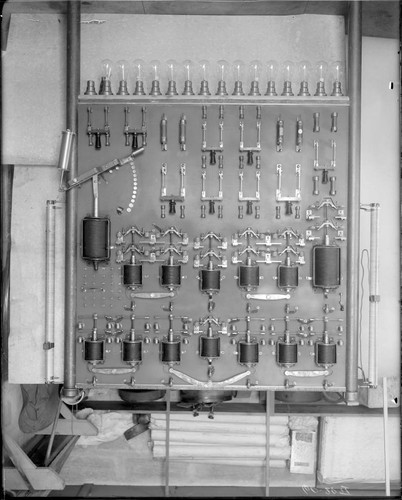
279	196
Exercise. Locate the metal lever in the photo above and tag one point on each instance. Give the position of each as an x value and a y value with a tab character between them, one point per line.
268	296
151	295
307	373
209	384
111	371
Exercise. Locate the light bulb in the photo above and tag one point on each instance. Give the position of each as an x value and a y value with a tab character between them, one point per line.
288	75
155	76
321	74
122	72
238	74
171	66
336	74
255	73
106	75
304	75
204	70
139	65
272	74
188	67
223	69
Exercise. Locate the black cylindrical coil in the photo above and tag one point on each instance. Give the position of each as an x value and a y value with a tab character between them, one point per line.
210	280
286	353
132	351
171	351
95	239
288	276
249	276
210	347
326	266
170	275
325	354
132	274
94	350
248	352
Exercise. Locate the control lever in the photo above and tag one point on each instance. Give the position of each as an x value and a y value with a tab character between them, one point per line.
267	296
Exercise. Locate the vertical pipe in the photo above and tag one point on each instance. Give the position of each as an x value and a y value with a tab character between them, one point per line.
386	441
50	289
6	181
353	249
373	294
73	86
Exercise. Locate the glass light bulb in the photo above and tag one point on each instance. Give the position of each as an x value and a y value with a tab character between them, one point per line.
223	69
188	67
272	74
155	66
288	75
321	70
106	76
107	66
204	74
122	73
255	67
139	66
305	69
336	74
272	70
139	73
171	66
238	75
204	68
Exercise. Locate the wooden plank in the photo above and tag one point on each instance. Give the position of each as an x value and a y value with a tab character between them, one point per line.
39	478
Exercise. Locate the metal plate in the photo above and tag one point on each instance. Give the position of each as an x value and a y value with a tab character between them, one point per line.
102	291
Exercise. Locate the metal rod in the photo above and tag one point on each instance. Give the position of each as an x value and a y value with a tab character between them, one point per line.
353	249
267	442
167	452
6	178
50	289
73	86
386	441
374	294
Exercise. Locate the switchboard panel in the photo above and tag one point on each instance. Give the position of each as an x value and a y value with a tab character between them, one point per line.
212	242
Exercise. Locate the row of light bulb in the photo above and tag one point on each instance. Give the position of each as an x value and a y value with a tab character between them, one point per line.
289	73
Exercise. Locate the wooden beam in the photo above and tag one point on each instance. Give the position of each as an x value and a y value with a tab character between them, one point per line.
37	478
70	425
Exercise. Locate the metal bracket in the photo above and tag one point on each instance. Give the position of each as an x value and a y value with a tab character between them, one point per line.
98	132
135	132
257	192
279	196
257	147
182	193
212	149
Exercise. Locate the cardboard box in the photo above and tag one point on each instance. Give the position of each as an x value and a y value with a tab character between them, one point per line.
303	451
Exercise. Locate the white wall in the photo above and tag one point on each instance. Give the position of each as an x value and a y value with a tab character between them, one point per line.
380	176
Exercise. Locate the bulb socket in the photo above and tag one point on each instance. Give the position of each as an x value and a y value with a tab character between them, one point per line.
155	88
287	88
320	90
337	89
139	88
304	89
90	90
204	89
238	88
271	88
105	87
123	88
221	88
254	89
188	88
171	90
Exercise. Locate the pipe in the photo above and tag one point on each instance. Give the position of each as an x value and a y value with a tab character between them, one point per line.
73	86
6	180
353	248
373	295
50	289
